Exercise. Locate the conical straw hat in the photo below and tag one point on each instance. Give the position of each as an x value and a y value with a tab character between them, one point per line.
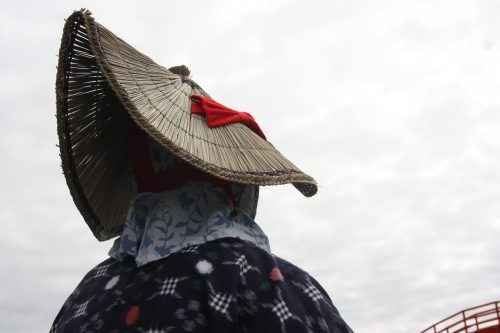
102	85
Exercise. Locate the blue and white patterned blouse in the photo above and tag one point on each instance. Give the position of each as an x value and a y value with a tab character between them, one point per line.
159	224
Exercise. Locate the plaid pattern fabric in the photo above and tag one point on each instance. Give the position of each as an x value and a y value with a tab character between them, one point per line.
281	310
220	302
313	293
190	249
244	266
171	295
101	271
81	309
168	286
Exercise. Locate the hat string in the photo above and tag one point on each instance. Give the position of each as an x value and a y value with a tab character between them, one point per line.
148	180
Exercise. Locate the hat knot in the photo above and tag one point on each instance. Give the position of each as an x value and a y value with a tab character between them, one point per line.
180	70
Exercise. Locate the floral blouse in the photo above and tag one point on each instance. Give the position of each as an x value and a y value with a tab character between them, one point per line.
160	224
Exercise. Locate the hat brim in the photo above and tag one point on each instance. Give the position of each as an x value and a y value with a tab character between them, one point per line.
102	84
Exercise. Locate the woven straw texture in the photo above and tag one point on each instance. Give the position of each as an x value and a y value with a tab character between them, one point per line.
102	85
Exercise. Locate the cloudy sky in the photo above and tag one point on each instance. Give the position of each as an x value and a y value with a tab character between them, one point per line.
392	105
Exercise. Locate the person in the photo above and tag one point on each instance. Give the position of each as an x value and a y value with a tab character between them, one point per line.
150	157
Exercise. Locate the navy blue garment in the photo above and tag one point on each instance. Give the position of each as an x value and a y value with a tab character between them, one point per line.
222	286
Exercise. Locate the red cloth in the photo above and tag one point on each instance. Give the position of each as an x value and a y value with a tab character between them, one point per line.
173	177
220	115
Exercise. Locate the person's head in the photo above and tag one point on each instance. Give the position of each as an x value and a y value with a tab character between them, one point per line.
104	84
154	168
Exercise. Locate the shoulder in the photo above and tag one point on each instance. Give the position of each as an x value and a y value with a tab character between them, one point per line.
268	289
223	284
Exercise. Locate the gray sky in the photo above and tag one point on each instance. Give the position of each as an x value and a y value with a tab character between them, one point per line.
393	106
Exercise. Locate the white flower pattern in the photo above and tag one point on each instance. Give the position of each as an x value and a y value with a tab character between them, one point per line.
204	267
160	224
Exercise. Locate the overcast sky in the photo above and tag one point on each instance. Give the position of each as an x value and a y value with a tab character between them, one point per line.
393	106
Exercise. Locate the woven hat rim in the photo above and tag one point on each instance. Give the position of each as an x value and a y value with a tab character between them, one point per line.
298	179
230	175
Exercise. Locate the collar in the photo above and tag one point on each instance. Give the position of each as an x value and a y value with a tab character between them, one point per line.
160	224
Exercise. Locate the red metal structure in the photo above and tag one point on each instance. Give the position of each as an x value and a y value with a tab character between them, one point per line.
479	319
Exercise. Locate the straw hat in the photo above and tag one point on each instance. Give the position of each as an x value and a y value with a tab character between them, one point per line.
103	84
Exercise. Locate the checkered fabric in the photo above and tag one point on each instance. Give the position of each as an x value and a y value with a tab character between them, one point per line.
190	249
101	271
220	302
244	266
168	286
313	292
281	310
170	295
81	309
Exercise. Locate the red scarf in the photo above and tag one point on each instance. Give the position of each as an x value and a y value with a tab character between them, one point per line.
173	177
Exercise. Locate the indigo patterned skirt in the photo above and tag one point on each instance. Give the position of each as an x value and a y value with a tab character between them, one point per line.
226	285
